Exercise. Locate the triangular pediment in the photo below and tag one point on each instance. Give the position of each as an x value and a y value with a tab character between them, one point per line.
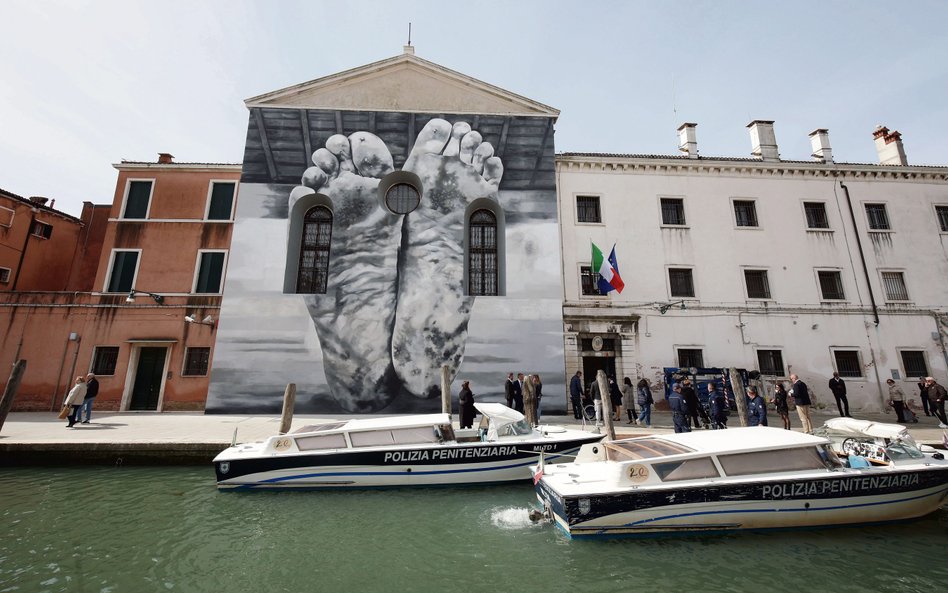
404	83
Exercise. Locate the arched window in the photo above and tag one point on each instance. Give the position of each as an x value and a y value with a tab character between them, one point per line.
482	256
314	251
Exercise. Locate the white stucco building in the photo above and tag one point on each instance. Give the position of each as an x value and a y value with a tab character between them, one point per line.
805	267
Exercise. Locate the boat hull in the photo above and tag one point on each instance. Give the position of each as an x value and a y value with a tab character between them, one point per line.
847	499
455	464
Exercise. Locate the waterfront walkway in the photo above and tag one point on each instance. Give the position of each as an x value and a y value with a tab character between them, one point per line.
39	438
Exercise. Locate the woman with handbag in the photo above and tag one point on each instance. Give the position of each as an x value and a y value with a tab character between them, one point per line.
75	399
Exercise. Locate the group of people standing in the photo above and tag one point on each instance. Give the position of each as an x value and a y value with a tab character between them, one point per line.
515	389
687	410
625	397
932	395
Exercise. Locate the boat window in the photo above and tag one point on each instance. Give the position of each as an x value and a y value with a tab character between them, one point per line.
411	436
515	428
903	451
763	462
371	438
643	449
321	441
319	427
686	469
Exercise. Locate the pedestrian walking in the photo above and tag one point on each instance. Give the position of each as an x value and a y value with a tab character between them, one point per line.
466	405
838	387
756	408
801	398
509	390
74	400
644	397
936	399
576	394
896	400
679	409
615	398
781	404
92	390
628	399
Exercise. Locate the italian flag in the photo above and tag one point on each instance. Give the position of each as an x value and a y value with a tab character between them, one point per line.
608	270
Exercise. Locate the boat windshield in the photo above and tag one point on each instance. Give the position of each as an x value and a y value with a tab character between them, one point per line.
902	450
515	429
643	449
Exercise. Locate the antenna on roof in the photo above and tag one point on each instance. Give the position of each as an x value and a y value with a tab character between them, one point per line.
409	32
408	48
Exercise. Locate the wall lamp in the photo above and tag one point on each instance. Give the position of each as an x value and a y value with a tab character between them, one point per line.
208	320
664	308
131	296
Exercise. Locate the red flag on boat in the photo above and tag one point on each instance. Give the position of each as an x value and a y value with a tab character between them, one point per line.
539	473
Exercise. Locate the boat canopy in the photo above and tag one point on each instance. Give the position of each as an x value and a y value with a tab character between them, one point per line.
854	427
503	421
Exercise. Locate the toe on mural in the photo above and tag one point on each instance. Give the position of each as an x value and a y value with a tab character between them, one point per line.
456	168
355	313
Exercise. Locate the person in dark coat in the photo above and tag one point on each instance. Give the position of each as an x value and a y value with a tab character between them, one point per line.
92	390
576	394
756	408
509	390
801	398
923	395
782	404
518	393
466	405
679	409
838	387
645	402
694	404
718	404
615	398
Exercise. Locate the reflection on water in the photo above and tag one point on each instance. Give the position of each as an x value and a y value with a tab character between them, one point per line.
169	529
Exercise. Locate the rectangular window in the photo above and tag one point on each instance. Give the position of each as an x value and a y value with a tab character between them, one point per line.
210	272
894	284
4	275
745	213
6	216
913	361
41	230
689	469
831	285
589	280
847	363
221	205
124	265
104	359
816	215
680	282
878	219
690	357
765	462
757	285
136	202
942	213
770	362
587	209
196	362
673	211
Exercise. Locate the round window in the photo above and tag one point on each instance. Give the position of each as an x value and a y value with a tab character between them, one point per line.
402	198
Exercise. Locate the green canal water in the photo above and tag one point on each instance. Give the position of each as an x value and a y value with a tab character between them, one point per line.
169	529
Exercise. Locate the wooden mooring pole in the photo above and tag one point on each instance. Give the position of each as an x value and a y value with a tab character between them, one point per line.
289	400
740	396
445	390
6	402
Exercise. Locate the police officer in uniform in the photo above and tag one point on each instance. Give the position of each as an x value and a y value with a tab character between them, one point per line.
679	409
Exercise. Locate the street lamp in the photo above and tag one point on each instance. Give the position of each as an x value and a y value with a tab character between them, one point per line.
131	296
664	308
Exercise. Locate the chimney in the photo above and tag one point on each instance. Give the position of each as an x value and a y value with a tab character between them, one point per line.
763	140
39	200
409	49
165	158
820	141
688	140
889	147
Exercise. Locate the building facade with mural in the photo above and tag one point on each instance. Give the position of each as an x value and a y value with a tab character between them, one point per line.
395	220
776	266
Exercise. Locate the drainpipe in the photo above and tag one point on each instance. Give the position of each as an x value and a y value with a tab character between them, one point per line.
26	242
941	338
862	256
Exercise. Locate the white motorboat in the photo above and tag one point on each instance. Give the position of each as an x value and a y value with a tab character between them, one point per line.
733	480
418	450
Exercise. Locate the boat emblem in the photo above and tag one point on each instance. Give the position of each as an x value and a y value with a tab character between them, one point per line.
584	505
638	473
225	467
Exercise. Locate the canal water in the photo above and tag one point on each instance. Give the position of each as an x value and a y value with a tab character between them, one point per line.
169	529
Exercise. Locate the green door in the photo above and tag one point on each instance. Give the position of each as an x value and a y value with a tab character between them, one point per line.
151	367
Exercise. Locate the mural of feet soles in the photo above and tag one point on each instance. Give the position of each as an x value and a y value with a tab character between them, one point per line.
455	169
353	307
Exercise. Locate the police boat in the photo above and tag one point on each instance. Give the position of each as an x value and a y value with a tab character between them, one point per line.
735	480
417	450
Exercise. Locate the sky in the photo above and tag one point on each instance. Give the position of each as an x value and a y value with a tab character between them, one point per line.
85	84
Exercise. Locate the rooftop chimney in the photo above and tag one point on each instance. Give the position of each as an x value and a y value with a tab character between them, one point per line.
409	49
889	147
820	141
763	140
688	140
165	158
39	200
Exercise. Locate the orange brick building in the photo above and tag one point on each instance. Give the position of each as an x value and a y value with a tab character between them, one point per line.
129	291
